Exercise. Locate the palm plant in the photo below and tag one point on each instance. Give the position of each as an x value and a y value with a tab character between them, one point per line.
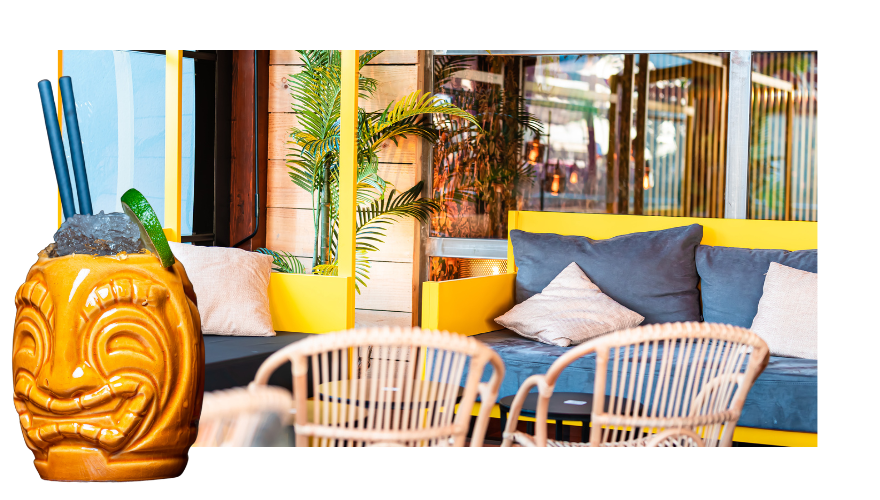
482	161
314	158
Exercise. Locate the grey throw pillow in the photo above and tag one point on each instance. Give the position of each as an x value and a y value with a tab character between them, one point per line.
571	310
732	279
652	273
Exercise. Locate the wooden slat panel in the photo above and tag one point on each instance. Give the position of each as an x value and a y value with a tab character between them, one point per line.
283	193
365	318
394	83
279	93
387	57
279	130
292	230
279	133
388	289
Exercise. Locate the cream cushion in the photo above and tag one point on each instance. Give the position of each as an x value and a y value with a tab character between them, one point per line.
569	311
232	289
787	316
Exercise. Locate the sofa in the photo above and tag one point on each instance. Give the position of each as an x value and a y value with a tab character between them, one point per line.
781	408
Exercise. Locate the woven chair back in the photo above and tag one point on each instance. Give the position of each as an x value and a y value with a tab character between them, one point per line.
660	377
388	386
242	416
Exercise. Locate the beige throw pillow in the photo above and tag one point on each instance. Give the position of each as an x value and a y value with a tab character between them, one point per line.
232	289
787	316
569	311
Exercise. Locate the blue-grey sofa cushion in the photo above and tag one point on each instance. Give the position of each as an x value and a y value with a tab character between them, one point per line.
784	397
652	273
732	279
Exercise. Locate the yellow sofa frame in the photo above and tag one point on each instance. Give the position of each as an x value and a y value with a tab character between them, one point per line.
468	306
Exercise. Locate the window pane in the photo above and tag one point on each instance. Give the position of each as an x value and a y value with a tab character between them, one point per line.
782	152
554	127
120	101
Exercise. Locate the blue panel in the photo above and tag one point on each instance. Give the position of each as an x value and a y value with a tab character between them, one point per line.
120	100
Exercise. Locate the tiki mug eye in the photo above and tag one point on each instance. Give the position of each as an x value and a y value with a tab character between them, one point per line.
33	322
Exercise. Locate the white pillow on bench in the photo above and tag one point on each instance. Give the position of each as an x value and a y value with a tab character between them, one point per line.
232	289
569	311
787	316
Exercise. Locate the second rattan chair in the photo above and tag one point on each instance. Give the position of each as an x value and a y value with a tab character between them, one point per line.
671	384
385	387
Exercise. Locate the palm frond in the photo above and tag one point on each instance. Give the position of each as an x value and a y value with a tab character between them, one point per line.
284	262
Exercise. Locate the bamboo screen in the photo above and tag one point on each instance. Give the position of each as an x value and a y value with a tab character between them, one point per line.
782	154
686	135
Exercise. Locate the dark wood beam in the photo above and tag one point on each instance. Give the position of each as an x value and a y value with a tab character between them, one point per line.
625	144
244	227
641	134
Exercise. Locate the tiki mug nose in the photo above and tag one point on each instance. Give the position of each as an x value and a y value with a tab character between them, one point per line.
69	378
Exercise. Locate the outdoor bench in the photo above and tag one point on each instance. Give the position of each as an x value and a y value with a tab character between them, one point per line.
781	408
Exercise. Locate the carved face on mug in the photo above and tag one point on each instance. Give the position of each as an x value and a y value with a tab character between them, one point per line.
107	360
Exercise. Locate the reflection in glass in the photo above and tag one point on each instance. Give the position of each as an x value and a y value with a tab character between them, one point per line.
782	153
120	100
554	129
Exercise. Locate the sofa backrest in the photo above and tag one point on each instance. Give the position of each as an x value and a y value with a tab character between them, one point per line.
743	233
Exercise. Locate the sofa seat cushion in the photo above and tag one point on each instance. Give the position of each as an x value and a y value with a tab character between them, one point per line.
784	397
652	273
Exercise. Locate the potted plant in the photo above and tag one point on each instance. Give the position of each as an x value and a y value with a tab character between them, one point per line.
314	160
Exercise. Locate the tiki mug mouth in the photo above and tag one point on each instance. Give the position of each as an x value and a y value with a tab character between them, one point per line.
108	367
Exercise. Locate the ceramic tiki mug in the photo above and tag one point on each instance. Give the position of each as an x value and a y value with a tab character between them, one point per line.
108	367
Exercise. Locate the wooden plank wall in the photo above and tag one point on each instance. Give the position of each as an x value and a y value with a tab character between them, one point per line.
392	291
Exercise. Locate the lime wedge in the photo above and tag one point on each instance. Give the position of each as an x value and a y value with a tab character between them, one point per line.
138	208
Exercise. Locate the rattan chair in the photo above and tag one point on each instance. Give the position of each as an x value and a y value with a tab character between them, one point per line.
386	387
690	378
244	417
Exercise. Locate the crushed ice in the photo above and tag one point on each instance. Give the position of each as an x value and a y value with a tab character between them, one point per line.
99	234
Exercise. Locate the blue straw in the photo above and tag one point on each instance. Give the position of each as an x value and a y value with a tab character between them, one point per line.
75	142
56	145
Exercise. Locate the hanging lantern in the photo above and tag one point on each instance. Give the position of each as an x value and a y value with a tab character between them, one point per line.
648	178
536	150
573	178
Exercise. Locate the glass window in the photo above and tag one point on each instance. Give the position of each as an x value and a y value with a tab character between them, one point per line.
782	152
120	101
563	133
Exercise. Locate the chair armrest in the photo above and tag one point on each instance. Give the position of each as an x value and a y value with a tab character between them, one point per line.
467	306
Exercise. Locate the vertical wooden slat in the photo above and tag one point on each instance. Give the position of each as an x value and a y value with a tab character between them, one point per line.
627	82
641	134
755	144
812	131
722	136
713	145
801	144
789	137
701	165
611	155
687	180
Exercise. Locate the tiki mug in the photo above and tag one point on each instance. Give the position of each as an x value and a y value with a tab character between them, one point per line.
108	367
